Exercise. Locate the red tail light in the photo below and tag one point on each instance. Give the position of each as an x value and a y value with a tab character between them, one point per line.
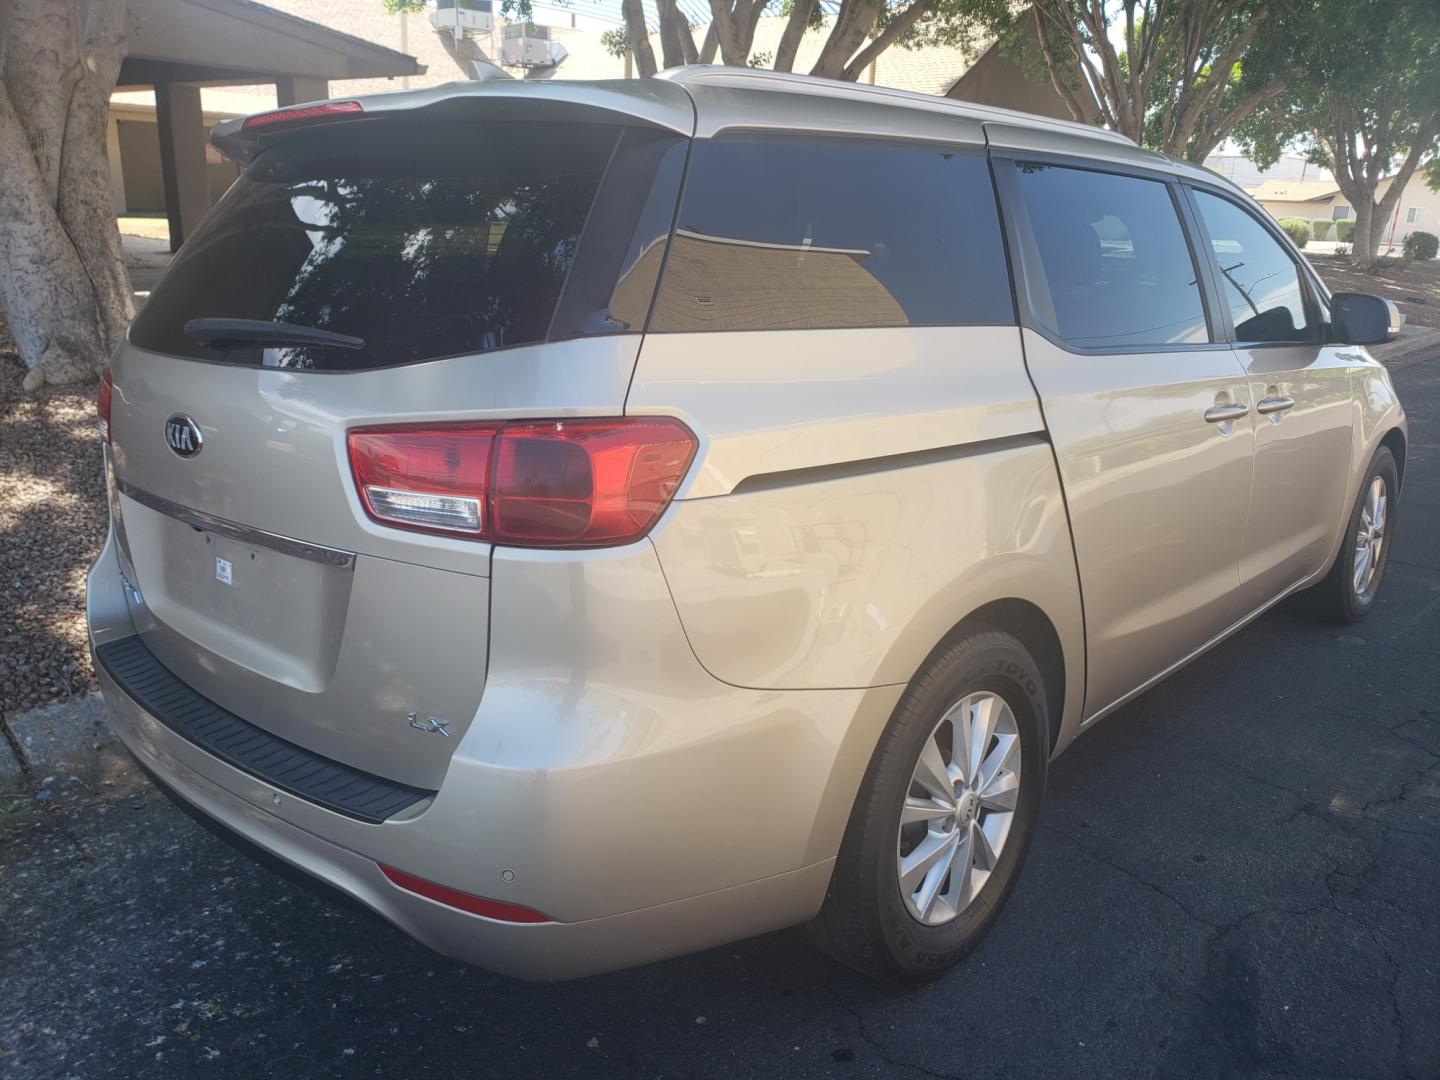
475	905
543	483
294	114
102	403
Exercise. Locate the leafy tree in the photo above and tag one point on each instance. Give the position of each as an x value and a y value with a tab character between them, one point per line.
64	290
858	32
1363	99
1167	73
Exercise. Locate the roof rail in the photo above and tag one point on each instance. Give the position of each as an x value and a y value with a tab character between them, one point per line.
784	82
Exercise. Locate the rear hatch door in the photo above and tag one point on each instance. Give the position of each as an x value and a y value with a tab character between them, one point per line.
442	260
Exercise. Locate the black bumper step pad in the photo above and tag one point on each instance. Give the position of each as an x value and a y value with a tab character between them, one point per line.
281	764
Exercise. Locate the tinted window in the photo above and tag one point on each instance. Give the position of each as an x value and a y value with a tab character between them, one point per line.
1113	259
1259	280
613	279
777	234
424	240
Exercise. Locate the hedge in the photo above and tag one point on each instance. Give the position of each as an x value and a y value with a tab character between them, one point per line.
1298	229
1422	245
1345	230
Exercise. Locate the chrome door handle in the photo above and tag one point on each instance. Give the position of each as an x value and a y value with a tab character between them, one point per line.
1221	414
1267	405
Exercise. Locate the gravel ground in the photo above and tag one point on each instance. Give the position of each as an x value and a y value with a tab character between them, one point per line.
52	522
1413	286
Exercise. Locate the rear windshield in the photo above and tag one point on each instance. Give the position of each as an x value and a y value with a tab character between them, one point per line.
422	240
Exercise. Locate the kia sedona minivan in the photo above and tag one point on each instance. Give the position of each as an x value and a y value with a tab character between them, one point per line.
590	522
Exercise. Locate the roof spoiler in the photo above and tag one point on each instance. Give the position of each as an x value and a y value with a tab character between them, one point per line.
638	102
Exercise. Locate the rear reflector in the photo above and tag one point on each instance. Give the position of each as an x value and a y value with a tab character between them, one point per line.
323	111
462	901
102	402
542	483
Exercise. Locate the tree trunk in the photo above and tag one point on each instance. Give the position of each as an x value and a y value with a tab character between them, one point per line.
64	289
853	23
677	44
794	31
734	22
887	37
634	16
1359	174
1367	238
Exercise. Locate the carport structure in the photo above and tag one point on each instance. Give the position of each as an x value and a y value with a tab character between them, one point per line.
178	46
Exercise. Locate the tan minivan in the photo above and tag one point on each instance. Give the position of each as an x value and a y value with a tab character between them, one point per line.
589	522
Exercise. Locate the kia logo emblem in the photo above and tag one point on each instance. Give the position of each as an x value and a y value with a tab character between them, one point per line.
183	435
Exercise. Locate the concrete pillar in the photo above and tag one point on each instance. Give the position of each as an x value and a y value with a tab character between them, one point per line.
117	167
298	89
182	158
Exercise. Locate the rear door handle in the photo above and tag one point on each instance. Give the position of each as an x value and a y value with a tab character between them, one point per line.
1221	414
1267	405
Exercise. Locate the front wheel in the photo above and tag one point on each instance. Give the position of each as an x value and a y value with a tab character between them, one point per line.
945	815
1348	591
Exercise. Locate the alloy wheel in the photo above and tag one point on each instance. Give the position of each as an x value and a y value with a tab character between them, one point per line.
1370	540
959	807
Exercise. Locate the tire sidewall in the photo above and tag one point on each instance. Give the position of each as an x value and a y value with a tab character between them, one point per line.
1383	464
1006	670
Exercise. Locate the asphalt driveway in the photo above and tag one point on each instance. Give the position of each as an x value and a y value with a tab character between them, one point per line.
1238	876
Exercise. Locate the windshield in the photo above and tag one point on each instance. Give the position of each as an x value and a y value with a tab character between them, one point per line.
423	241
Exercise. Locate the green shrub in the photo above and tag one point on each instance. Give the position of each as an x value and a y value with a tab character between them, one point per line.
1422	245
1298	229
1321	229
1345	230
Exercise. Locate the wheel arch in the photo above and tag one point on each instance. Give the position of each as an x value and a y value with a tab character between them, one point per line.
1394	441
1029	623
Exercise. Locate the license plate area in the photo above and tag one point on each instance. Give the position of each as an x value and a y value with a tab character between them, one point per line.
277	614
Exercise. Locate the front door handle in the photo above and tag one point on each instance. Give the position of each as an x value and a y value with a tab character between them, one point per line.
1267	405
1223	414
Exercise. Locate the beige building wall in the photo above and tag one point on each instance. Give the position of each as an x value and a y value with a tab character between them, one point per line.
142	183
1417	210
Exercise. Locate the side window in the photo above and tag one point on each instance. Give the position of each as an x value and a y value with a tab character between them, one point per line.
1258	279
803	233
1113	258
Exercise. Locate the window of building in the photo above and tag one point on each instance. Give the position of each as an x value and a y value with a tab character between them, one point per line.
1339	213
1414	216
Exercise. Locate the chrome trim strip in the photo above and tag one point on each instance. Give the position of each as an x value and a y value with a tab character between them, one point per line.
198	519
815	474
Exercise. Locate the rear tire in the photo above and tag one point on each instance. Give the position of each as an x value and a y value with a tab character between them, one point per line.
1348	591
986	682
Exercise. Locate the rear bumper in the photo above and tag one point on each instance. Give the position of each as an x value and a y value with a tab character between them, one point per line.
645	827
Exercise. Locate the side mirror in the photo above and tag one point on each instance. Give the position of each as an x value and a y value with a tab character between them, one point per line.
1362	319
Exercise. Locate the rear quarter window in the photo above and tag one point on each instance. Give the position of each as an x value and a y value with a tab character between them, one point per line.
783	233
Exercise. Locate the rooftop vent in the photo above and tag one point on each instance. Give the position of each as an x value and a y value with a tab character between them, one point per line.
463	17
529	46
